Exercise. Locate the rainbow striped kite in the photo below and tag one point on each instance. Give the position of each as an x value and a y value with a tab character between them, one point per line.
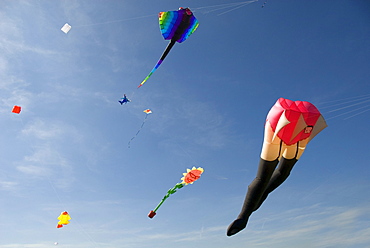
176	26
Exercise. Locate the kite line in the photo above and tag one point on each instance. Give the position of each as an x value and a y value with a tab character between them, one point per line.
147	111
234	6
357	106
217	7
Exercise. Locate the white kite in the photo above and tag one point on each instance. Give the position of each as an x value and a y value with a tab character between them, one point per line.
66	28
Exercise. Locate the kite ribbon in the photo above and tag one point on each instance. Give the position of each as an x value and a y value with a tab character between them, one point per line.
169	192
147	111
188	178
164	55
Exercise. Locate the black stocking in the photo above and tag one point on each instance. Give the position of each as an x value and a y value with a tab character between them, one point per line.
254	195
278	177
267	180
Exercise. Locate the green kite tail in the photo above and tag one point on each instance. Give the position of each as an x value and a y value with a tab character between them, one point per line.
169	192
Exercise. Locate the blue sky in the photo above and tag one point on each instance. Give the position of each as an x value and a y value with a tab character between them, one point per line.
67	150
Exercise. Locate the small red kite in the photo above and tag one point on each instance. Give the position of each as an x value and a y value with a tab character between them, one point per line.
16	109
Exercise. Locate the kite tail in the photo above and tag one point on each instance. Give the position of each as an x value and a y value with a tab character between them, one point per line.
164	55
169	192
142	125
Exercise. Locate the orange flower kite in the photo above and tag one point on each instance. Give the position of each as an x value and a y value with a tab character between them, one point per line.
191	175
188	178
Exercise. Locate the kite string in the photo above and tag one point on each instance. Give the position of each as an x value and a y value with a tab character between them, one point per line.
220	6
357	113
120	20
238	7
191	157
130	97
349	106
56	192
195	163
348	98
364	98
142	125
321	184
353	101
86	234
367	106
224	6
81	229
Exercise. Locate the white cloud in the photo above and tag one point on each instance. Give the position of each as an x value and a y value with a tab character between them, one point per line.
316	226
43	130
33	170
7	185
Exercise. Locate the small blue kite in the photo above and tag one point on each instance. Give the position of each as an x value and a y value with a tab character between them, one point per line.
124	100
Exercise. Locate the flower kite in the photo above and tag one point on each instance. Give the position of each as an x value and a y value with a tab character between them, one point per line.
191	175
63	219
188	178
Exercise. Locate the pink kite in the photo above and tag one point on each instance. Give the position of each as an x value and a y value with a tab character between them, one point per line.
289	127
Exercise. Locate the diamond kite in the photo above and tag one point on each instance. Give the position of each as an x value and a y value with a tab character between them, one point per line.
188	178
288	129
66	28
16	109
63	219
147	111
176	26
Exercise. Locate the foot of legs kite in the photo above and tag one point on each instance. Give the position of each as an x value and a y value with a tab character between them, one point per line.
289	127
